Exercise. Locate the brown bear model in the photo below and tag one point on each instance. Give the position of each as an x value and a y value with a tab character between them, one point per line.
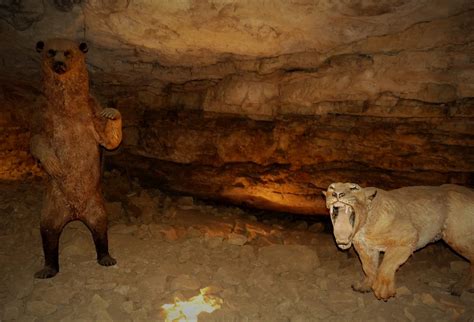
66	139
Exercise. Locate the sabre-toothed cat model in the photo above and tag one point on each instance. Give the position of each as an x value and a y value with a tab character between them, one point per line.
398	222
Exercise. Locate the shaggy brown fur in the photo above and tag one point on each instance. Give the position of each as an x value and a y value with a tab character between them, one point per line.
66	140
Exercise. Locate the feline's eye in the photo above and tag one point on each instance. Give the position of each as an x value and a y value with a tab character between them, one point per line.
67	53
331	187
51	53
354	188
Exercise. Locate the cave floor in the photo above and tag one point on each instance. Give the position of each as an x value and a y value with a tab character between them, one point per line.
263	269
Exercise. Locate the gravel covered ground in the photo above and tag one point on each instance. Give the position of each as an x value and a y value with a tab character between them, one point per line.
263	267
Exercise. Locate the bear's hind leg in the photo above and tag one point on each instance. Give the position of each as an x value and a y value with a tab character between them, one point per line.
95	219
50	238
53	219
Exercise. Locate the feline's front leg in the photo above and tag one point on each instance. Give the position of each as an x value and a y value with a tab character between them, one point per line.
370	261
384	284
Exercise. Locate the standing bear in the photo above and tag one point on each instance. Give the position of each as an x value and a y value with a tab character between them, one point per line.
66	138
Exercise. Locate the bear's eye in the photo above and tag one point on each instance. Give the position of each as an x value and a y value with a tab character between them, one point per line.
51	53
67	53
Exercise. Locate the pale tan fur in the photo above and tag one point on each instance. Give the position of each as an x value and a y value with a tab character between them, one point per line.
398	222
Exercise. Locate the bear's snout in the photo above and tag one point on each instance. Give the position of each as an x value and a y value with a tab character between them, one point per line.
59	67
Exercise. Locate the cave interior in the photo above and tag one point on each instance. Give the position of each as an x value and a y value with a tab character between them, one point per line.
236	116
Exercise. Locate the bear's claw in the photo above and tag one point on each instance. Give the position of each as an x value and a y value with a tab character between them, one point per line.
110	113
107	260
46	272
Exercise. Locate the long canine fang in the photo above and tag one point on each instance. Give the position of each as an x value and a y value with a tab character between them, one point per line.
348	210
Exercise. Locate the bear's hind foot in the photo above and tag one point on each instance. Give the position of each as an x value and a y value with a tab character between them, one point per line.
46	272
106	260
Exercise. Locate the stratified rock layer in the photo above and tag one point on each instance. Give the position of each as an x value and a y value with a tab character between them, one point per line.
262	102
255	58
284	164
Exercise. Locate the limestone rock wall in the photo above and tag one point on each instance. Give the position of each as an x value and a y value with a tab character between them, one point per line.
255	57
284	164
265	102
16	162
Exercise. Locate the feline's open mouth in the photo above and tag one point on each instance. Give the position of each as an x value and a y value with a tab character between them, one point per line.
339	208
343	218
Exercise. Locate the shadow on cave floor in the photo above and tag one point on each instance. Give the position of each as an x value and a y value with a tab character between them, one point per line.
264	266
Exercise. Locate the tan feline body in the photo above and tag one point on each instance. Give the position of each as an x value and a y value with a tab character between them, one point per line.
398	222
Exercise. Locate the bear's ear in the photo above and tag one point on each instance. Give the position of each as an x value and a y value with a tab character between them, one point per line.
83	47
39	46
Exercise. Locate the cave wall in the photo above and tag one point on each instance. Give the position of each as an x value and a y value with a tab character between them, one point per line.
263	102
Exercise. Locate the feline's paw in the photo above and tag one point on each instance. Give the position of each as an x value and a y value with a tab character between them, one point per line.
363	286
384	288
110	113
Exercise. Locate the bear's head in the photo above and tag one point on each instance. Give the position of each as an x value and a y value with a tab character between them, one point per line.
61	56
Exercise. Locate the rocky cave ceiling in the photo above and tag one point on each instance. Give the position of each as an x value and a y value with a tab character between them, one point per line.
265	102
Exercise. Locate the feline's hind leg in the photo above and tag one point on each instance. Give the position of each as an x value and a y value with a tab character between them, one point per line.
463	245
465	284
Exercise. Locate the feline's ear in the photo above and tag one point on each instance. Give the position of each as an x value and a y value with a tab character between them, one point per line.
370	193
39	46
83	47
324	193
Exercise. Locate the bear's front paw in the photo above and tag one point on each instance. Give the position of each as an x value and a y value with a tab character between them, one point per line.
110	113
363	286
52	166
384	288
